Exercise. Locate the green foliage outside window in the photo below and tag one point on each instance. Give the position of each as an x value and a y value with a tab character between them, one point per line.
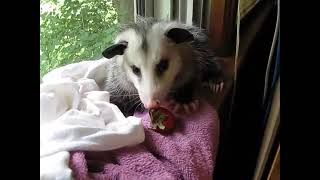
75	30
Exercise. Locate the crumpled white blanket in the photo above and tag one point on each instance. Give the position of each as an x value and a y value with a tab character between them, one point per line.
76	115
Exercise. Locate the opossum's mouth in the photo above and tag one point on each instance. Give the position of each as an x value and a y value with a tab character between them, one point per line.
157	102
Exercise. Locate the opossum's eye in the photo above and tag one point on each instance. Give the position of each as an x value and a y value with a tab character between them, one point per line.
136	70
162	66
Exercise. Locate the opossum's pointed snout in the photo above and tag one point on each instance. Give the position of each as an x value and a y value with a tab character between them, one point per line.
152	104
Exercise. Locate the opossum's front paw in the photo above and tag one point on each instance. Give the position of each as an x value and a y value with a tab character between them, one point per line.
215	87
183	108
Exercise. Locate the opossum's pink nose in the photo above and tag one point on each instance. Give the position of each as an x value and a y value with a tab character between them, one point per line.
152	104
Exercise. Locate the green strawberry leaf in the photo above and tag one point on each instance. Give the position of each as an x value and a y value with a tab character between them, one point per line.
162	118
154	114
154	126
161	126
157	114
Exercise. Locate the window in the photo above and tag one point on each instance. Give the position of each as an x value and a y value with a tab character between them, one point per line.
75	30
195	12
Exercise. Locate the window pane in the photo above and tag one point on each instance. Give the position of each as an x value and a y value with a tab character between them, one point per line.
75	30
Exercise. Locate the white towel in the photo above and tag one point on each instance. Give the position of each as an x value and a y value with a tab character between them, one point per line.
76	115
55	167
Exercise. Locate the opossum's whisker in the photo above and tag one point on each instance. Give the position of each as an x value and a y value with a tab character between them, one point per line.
140	104
134	104
128	95
134	99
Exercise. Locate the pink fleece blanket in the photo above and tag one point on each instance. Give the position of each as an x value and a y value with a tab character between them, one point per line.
188	153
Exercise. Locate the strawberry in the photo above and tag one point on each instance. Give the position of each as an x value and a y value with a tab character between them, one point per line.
162	120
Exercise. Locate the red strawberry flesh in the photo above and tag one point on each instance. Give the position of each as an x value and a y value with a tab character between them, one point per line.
162	119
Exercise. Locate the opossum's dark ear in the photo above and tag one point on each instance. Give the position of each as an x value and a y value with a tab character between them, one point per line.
116	49
179	35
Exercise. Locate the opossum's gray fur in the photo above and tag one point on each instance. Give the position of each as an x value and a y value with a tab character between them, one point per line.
123	92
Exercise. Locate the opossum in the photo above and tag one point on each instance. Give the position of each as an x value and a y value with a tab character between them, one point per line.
159	63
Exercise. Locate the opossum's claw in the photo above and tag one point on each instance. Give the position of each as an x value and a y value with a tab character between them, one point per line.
215	87
183	108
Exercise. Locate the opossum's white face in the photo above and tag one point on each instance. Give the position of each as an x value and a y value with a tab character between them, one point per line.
151	67
151	62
